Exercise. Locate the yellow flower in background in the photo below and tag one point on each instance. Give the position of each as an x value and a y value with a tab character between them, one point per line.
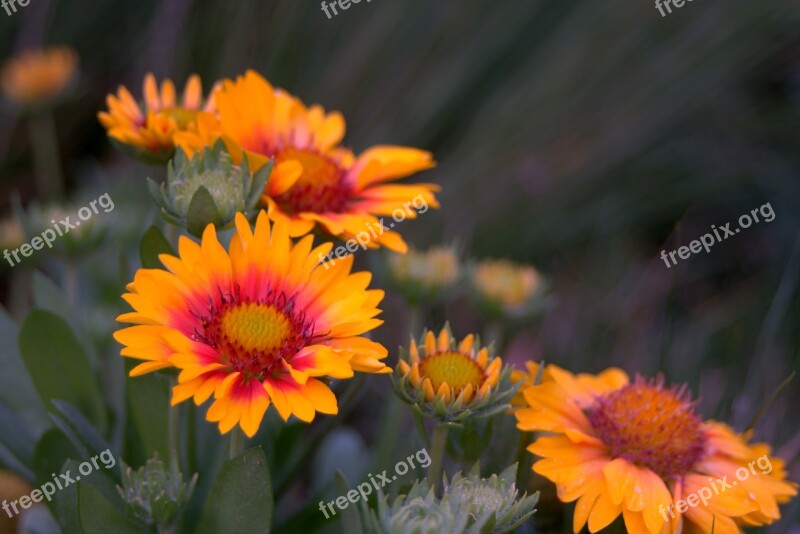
149	129
37	77
12	233
425	275
528	378
315	181
12	487
452	381
505	288
639	450
259	324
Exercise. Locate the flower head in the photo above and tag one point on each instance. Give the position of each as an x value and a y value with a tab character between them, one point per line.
468	504
425	275
37	78
148	130
208	189
640	450
315	180
450	381
261	323
505	289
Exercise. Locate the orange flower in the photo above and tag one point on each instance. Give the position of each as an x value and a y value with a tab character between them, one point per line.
315	180
149	129
640	450
36	77
259	324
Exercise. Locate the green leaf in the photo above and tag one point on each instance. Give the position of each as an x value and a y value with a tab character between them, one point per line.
152	244
157	192
98	515
148	405
53	451
16	451
82	433
241	498
201	212
350	518
260	179
16	387
58	365
47	295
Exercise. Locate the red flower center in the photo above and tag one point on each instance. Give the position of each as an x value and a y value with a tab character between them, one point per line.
650	426
255	336
321	187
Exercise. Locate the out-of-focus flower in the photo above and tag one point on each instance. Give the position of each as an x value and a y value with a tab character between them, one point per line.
501	288
155	494
147	131
536	374
12	487
256	325
468	504
640	450
315	180
60	224
452	382
38	78
12	233
425	276
208	189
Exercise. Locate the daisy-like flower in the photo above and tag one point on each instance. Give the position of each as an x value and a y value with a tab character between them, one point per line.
315	180
37	77
502	288
452	381
148	130
425	275
640	450
256	325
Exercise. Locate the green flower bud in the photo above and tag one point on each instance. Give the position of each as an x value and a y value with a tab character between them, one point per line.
208	188
154	494
469	504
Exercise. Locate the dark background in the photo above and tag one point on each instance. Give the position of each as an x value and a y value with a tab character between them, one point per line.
583	137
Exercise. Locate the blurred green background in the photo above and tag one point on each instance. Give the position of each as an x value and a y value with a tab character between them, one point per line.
583	137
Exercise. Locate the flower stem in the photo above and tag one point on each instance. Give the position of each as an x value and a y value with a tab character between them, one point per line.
524	460
71	282
173	422
44	143
438	446
237	443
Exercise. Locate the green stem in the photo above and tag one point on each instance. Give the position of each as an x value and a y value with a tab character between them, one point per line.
173	423
524	460
71	282
191	442
438	446
46	157
419	423
237	443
